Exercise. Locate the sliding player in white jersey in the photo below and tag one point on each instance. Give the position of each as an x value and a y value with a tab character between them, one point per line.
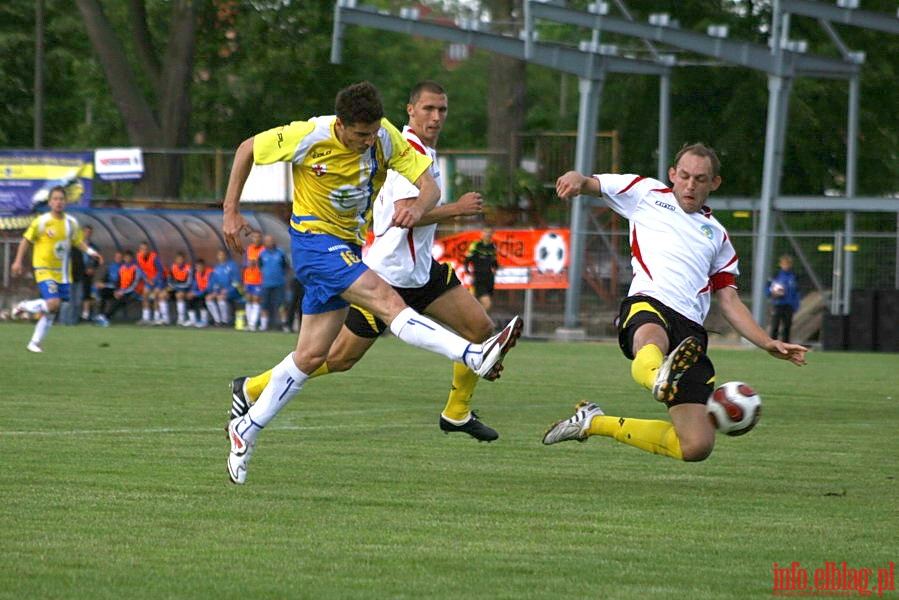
681	255
339	164
402	257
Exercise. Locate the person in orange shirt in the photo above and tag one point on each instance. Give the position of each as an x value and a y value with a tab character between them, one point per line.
180	280
196	297
154	284
252	280
130	287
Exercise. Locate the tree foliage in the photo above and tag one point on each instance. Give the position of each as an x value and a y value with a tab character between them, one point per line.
246	66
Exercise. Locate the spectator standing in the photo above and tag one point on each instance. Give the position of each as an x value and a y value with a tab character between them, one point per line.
480	262
252	281
273	264
91	265
784	293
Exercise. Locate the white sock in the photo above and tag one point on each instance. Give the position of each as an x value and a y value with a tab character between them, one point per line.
164	311
422	332
191	316
204	315
43	326
181	307
224	310
38	305
263	322
286	382
145	314
214	311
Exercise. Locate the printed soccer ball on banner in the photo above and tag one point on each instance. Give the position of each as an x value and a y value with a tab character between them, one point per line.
550	253
734	408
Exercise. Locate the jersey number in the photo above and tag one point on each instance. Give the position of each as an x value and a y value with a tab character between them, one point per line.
349	257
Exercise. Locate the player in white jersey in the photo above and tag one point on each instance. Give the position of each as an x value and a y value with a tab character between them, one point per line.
681	256
402	257
339	163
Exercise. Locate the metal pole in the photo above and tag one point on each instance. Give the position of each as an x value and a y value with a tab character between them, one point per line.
588	117
851	188
337	36
39	74
664	126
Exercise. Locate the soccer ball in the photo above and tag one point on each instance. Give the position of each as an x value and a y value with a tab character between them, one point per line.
734	408
777	289
550	253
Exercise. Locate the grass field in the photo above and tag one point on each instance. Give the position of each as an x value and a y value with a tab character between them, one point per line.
114	482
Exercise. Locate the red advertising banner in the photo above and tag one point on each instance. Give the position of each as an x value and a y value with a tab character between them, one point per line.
532	258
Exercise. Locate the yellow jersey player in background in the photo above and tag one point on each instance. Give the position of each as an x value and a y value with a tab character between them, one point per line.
52	234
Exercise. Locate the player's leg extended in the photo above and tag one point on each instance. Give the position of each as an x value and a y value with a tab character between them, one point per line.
374	294
689	437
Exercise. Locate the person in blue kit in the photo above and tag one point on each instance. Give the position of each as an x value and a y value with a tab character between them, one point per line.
225	288
784	293
273	263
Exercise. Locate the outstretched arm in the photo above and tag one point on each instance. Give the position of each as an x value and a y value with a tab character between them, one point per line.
573	184
467	205
738	315
234	226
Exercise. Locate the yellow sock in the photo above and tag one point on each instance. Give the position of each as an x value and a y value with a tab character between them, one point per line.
458	405
658	437
645	365
255	385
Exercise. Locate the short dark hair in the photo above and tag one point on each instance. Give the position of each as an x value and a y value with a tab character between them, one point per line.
425	86
359	103
700	149
58	188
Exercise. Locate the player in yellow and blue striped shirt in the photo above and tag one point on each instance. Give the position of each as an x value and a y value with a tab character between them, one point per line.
52	234
339	163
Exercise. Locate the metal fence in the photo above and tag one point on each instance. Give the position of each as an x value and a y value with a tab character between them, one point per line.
607	275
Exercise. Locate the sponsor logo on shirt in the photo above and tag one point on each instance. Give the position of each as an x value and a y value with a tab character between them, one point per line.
319	169
665	205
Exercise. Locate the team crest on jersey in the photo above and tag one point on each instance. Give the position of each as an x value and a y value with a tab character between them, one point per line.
347	197
707	231
319	169
51	233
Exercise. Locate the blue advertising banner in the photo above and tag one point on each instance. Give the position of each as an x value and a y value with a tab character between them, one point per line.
26	177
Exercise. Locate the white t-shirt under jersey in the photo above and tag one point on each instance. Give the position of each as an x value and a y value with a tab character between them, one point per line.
402	257
677	258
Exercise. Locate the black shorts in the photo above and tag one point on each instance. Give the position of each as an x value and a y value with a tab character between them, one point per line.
644	309
483	285
442	278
